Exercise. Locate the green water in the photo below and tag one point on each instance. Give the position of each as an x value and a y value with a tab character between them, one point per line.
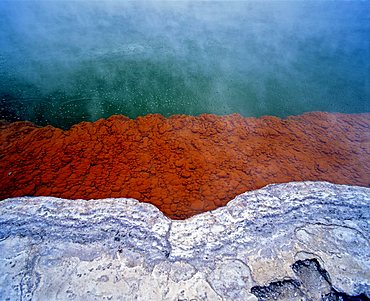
64	62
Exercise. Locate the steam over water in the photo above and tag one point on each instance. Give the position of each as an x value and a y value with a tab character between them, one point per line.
62	62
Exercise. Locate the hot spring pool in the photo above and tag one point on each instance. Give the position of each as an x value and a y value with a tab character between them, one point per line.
64	62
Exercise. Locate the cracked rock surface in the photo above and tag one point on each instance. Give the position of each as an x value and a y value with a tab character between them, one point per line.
184	165
295	241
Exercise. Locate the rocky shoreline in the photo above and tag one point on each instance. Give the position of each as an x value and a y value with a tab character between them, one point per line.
184	165
297	241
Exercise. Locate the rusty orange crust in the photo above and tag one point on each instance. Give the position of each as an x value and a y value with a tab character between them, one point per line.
184	165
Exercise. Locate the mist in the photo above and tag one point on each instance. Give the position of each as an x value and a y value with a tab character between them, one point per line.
63	62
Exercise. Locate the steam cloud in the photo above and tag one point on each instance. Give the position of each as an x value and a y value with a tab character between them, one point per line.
66	61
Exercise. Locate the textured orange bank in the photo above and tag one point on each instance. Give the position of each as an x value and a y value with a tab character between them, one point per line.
184	165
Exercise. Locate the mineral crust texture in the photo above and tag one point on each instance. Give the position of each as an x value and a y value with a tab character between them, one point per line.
297	241
184	165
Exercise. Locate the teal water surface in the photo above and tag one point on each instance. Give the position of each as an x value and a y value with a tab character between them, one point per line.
62	62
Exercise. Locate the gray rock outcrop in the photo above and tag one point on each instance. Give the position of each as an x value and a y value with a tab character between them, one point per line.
295	241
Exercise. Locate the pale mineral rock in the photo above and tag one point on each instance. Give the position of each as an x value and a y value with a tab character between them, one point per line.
295	241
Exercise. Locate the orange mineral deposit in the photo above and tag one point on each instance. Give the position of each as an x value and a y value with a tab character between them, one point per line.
184	165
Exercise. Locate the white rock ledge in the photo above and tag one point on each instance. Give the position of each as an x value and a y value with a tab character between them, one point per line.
255	248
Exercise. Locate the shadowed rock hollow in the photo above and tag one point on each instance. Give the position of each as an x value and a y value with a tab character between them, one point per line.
184	165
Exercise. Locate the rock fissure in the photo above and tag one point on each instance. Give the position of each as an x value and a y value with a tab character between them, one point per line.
312	284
